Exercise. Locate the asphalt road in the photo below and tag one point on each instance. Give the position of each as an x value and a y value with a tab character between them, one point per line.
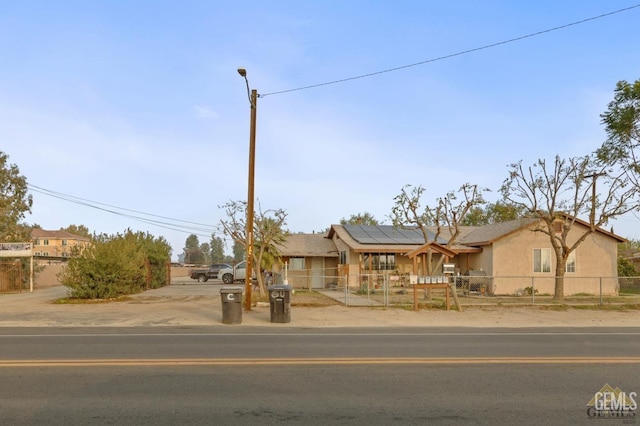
189	375
255	343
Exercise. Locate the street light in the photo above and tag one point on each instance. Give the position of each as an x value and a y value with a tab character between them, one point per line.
253	101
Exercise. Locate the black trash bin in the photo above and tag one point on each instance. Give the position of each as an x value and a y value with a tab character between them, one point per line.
280	303
231	304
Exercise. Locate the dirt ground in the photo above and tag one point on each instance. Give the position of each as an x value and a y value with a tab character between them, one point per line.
200	305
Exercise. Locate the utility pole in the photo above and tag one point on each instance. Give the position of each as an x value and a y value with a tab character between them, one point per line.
253	100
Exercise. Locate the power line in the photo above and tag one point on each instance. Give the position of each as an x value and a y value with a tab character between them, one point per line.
452	55
49	192
162	224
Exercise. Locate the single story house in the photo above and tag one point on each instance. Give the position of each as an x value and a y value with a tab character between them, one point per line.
311	261
512	255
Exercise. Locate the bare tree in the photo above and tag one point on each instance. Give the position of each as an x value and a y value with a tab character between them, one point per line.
268	228
558	193
447	214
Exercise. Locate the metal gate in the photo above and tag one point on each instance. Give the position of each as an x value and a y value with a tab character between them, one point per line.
10	276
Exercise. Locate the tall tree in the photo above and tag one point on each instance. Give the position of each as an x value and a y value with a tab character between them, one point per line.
192	252
445	216
217	249
205	249
365	218
239	251
622	124
559	193
492	213
79	230
15	202
268	229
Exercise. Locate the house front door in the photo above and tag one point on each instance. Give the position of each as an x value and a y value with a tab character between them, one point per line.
317	272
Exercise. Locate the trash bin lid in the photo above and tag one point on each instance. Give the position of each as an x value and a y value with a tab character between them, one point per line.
231	289
279	287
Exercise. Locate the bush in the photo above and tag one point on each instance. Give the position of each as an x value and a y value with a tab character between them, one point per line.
116	265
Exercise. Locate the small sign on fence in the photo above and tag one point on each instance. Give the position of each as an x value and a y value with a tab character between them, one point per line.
15	249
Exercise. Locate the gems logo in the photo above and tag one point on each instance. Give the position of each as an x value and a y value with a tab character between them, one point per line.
612	403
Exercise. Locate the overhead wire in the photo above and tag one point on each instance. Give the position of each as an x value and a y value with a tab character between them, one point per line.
207	227
201	227
452	55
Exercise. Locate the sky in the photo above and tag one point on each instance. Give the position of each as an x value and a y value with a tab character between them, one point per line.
131	114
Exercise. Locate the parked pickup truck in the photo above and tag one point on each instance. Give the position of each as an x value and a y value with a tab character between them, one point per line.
237	273
203	275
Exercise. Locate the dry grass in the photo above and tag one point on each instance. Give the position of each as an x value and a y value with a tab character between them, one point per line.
306	298
301	298
77	301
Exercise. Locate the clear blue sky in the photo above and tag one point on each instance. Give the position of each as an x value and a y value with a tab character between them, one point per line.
137	104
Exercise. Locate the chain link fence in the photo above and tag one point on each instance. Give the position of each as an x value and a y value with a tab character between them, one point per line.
385	289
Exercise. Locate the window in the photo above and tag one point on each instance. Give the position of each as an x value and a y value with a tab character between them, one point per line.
45	242
379	261
64	242
571	262
388	261
296	263
542	260
343	257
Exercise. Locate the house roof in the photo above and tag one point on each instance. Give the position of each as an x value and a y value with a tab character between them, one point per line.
308	245
439	248
387	234
63	235
385	246
386	238
488	234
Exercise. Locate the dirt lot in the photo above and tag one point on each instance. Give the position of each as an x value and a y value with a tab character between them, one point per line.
200	305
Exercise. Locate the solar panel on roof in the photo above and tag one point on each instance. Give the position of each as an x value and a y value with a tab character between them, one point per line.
386	234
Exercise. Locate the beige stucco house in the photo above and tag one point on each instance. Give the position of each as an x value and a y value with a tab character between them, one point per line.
517	256
55	245
311	261
512	255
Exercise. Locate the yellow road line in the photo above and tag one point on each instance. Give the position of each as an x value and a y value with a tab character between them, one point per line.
316	361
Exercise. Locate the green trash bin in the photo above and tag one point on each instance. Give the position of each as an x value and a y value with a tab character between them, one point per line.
231	304
280	303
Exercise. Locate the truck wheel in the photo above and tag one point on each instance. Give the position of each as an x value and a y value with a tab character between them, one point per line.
202	278
227	279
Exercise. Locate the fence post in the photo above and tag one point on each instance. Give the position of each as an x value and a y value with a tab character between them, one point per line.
533	291
346	291
385	288
601	290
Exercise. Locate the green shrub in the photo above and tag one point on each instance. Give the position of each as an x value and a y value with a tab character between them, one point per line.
117	265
